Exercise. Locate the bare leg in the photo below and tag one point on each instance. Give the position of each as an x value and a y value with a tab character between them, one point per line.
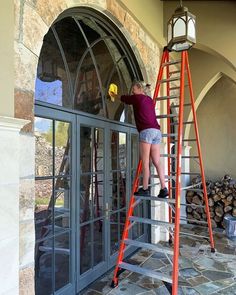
155	155
144	156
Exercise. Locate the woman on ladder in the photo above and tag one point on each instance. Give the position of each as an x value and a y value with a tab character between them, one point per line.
149	135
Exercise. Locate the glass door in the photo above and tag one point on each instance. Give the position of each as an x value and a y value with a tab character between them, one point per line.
54	188
91	199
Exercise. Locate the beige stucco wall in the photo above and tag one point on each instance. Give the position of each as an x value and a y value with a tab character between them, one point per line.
7	58
217	120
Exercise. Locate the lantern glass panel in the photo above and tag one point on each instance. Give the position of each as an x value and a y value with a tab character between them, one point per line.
179	28
169	32
191	28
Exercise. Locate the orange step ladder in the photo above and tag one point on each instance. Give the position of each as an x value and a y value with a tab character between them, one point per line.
171	76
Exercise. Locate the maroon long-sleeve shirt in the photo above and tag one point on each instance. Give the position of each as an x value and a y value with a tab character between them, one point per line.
144	112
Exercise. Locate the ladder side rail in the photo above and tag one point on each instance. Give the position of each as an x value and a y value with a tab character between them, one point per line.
169	161
200	155
127	223
175	273
159	76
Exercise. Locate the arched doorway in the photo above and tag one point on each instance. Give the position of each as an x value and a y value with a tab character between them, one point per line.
86	151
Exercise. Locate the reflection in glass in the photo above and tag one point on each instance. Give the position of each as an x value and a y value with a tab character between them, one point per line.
114	233
87	92
86	191
85	248
122	151
62	260
85	149
44	267
62	148
52	84
72	42
98	197
43	146
98	150
62	203
134	150
43	208
98	243
122	222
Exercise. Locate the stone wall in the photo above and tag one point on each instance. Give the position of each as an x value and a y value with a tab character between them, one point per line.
32	21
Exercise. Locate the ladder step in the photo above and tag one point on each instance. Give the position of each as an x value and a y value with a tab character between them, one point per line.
171	63
177	105
174	156
166	177
146	272
153	198
157	248
167	97
166	116
193	220
169	134
174	72
152	221
187	173
170	80
184	123
194	235
167	200
185	139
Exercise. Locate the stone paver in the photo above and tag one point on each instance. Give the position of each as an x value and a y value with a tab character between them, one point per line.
201	272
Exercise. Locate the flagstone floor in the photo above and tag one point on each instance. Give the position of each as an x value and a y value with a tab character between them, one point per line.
200	271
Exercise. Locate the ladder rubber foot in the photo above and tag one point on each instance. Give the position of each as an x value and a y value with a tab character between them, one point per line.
113	284
213	250
120	272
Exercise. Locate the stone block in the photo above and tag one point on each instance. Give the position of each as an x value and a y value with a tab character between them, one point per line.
24	104
27	281
34	29
27	199
25	67
49	10
27	240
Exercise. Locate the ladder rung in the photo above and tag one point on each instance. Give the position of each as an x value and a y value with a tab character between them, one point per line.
167	97
169	134
168	200
170	80
177	105
146	272
187	173
193	235
157	248
177	87
174	72
153	198
151	221
192	220
166	177
166	116
169	63
175	156
184	123
185	139
187	188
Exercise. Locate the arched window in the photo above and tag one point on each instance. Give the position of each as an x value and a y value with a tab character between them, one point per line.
80	57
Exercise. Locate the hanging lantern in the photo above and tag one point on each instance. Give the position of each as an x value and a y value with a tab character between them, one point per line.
181	30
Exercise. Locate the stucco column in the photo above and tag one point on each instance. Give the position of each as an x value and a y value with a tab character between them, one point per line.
9	209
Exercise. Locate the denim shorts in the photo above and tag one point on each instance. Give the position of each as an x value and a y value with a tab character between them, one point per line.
150	135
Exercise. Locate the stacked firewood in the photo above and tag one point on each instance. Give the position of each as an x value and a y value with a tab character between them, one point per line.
221	199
